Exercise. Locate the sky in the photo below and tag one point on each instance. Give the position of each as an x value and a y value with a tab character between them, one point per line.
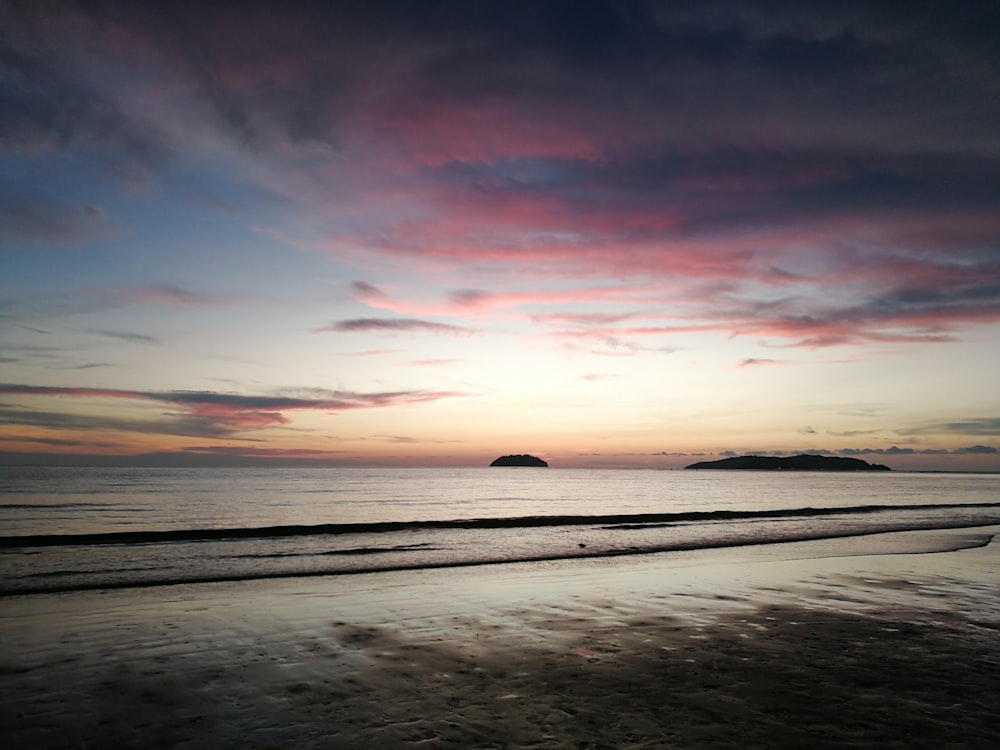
416	233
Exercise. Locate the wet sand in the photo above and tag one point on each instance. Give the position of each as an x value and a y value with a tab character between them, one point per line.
815	644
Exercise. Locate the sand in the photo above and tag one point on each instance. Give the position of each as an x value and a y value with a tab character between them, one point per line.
766	647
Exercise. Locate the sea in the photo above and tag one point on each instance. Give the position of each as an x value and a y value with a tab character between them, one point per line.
68	529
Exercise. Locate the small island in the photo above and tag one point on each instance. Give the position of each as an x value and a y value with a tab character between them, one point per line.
519	460
792	463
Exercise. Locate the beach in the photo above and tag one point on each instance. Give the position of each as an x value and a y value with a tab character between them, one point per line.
889	640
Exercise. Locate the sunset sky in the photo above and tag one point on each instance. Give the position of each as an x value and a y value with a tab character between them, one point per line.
611	234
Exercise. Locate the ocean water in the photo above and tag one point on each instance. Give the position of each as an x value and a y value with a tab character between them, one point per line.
65	529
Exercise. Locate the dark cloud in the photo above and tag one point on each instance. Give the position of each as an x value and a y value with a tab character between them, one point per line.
59	442
203	413
394	325
895	450
88	366
979	449
32	218
50	104
767	64
321	399
278	76
253	452
182	425
364	291
980	426
969	300
470	297
851	433
128	336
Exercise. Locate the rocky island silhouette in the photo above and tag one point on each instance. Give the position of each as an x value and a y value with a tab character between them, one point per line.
519	460
791	463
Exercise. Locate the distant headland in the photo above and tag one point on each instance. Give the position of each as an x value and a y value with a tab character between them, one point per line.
792	463
520	460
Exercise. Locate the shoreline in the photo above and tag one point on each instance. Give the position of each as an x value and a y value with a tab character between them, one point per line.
158	563
613	520
830	643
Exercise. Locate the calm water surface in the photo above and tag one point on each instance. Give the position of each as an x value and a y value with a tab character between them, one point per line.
89	500
410	517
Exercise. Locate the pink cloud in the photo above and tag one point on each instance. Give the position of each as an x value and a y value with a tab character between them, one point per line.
919	314
467	303
904	317
211	413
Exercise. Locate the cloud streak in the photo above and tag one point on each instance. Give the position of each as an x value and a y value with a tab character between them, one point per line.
203	413
897	451
979	426
394	325
31	218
